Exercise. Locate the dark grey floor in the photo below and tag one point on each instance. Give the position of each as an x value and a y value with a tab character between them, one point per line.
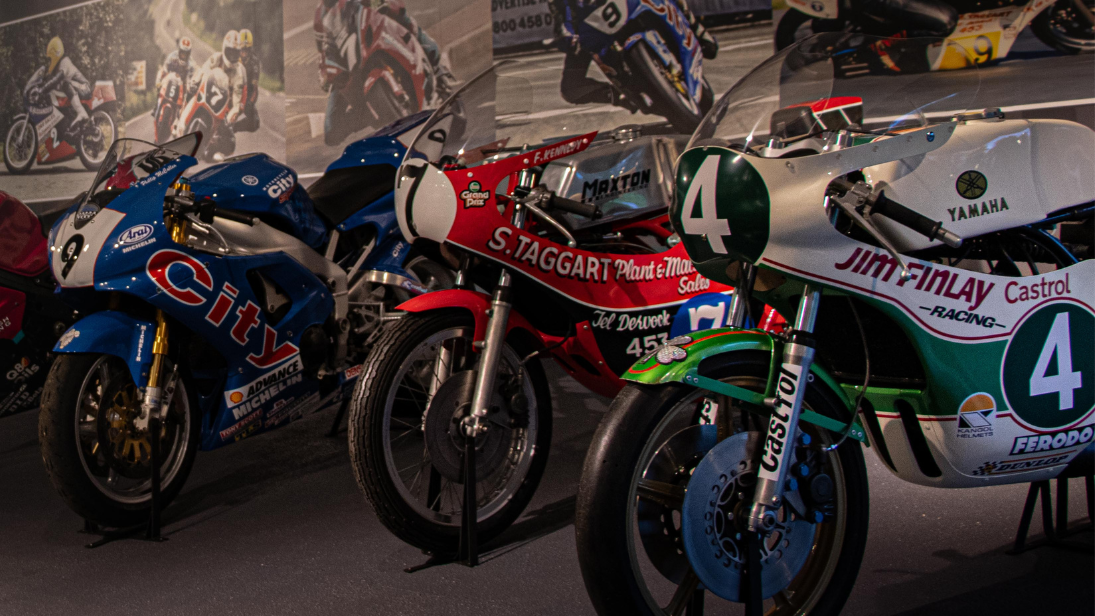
277	526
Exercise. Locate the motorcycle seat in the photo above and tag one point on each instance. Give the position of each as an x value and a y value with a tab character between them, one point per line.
340	193
22	243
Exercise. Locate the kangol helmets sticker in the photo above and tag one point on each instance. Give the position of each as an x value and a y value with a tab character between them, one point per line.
976	415
971	184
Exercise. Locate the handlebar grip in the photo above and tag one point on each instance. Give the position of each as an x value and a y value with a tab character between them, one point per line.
235	216
931	229
588	210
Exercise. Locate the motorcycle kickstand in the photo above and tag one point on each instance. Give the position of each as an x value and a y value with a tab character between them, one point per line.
754	602
469	514
337	423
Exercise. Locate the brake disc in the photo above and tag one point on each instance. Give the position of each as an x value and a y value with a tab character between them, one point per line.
129	449
445	438
658	528
719	492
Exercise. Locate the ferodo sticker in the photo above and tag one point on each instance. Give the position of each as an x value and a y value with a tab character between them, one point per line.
1052	441
1048	372
787	397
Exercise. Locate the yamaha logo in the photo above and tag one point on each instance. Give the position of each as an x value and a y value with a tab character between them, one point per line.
250	180
971	184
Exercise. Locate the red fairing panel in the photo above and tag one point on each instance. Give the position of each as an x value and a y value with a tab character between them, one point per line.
12	305
595	279
22	245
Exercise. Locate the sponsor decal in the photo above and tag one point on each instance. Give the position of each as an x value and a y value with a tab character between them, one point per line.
962	316
147	242
1048	371
976	416
22	370
248	316
68	337
252	395
971	185
140	343
475	196
250	180
1015	292
790	379
925	278
135	235
281	186
243	423
1052	441
973	210
21	398
705	311
1017	466
563	149
352	372
614	186
623	322
4	324
289	410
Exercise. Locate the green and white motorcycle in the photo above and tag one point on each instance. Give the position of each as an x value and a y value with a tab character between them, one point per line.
934	262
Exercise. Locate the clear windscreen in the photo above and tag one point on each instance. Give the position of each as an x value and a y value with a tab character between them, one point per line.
128	161
490	117
835	81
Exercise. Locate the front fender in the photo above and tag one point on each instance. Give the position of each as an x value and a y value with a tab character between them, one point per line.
709	343
112	333
474	302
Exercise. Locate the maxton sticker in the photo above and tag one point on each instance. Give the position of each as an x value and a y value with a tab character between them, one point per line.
976	415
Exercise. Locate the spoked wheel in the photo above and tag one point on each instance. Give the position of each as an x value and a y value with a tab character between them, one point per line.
97	448
1067	26
640	556
20	146
404	430
96	139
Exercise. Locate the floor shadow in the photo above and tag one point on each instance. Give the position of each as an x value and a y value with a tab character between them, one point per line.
537	523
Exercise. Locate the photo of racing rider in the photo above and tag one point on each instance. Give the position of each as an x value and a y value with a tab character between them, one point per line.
338	24
177	63
249	121
61	76
228	60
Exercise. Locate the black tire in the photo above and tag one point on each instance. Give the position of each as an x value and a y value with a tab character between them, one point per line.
1064	29
95	142
200	125
15	167
385	106
164	122
788	27
602	530
367	447
668	101
63	454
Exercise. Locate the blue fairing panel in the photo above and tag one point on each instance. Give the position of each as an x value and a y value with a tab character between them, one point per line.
262	186
113	333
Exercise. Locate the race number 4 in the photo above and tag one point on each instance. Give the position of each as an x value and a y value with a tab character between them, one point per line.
1065	381
699	216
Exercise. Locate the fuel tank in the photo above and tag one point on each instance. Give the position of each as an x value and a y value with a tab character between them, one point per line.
259	185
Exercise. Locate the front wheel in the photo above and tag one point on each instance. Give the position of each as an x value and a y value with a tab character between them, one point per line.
406	446
1066	27
96	448
96	139
668	92
199	125
20	147
632	546
792	28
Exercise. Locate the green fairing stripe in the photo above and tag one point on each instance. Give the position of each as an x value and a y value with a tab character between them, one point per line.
718	341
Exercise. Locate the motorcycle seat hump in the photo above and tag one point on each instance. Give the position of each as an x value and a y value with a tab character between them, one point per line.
260	186
22	243
339	193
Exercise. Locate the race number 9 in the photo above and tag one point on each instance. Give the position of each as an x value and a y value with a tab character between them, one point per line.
1049	367
609	18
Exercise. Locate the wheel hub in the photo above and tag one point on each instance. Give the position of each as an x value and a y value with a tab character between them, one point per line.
130	449
444	438
719	494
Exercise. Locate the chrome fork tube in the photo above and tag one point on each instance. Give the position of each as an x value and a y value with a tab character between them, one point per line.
779	444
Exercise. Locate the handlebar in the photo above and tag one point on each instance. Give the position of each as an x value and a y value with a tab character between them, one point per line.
206	209
879	203
588	210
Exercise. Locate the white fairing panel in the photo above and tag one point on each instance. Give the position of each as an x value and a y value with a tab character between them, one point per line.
83	245
1006	156
824	9
432	207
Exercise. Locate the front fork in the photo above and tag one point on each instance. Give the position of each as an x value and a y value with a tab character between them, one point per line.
798	355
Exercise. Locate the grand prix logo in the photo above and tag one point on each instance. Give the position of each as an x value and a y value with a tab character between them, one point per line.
185	290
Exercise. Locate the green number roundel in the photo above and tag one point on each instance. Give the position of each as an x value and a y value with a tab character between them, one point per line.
721	210
1049	366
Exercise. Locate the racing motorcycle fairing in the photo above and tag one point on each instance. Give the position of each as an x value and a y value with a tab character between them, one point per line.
258	297
993	407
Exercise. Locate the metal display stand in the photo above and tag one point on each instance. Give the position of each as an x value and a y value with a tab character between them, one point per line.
1055	533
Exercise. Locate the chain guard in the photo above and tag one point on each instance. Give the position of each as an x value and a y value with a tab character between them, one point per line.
722	481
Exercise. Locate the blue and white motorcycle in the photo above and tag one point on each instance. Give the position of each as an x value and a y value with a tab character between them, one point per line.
218	306
649	52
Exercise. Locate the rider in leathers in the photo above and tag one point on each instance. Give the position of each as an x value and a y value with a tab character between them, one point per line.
337	24
249	121
178	62
228	60
578	89
62	75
